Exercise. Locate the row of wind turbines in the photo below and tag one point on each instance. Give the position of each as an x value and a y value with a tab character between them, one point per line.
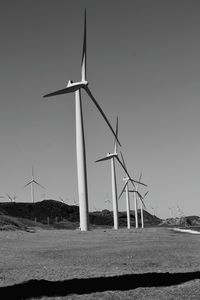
77	88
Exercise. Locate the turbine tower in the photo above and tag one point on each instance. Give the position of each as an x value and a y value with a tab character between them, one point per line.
126	188
112	157
31	183
136	207
75	87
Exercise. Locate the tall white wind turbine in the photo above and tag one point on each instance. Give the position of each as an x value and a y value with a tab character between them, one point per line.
75	87
31	183
112	157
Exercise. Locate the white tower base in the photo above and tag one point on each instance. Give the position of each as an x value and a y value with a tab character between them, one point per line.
142	215
114	194
81	165
128	208
136	211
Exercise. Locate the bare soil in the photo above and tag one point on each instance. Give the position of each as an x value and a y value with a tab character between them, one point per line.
61	255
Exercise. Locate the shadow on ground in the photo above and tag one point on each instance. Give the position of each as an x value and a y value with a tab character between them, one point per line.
41	288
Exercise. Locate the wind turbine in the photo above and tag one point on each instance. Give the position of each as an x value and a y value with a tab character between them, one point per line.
141	205
75	203
126	188
12	199
75	87
171	211
108	201
179	211
63	200
95	208
126	179
112	157
135	194
31	183
141	209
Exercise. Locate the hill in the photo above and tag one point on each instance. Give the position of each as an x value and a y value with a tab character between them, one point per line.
187	221
60	215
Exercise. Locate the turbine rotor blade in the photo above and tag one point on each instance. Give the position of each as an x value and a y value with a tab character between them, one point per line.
141	199
66	90
129	177
83	60
140	177
116	132
101	111
104	158
122	191
28	183
38	184
123	160
143	203
139	182
140	196
9	197
123	167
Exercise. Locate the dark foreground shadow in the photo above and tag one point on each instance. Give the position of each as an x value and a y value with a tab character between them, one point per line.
41	288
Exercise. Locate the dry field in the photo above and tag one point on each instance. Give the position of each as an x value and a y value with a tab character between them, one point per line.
63	264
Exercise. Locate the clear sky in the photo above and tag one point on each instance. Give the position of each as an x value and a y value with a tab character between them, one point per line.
143	65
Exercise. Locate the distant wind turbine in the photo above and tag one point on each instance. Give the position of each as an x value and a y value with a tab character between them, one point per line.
75	87
95	208
31	183
126	188
112	157
107	201
171	211
75	202
135	196
180	212
11	198
63	200
141	208
141	205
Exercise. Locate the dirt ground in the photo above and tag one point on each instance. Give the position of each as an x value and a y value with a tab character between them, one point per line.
61	255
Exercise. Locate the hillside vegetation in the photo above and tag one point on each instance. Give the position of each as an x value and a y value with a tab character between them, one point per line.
56	214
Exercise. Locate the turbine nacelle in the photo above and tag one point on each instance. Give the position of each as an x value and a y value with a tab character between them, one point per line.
111	154
126	178
78	85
